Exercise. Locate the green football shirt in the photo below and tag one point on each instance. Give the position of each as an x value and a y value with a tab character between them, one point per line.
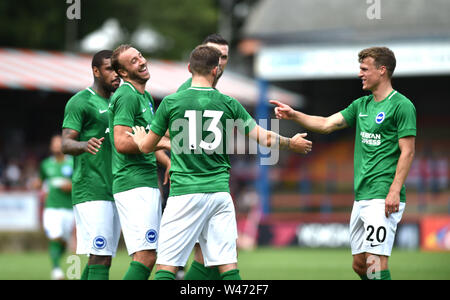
131	108
54	174
379	126
87	113
199	121
187	84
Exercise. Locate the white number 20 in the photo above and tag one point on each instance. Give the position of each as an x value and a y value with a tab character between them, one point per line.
192	118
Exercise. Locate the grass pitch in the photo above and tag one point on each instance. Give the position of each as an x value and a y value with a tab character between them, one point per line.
261	264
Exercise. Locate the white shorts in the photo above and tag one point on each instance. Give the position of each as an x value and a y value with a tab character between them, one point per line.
207	218
140	215
58	223
370	230
98	228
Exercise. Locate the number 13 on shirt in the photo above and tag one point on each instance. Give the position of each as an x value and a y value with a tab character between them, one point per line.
215	127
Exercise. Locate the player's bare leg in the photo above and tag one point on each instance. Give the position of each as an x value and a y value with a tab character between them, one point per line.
145	257
165	272
370	266
198	255
377	266
229	272
97	267
141	265
359	265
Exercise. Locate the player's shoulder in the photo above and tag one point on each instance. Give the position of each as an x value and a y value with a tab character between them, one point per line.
186	85
125	90
83	95
363	99
47	161
401	99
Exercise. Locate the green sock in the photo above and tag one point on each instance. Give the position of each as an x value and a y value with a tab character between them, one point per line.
56	250
137	271
98	272
231	275
382	275
164	275
385	275
197	271
214	273
363	277
84	275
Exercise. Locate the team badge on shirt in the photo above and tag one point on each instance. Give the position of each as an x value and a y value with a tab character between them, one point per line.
151	107
380	117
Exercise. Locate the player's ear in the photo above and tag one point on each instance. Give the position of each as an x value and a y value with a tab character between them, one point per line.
382	70
189	68
122	73
215	71
96	72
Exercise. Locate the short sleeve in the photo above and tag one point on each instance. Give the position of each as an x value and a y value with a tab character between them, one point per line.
350	113
405	118
160	122
73	115
125	108
241	114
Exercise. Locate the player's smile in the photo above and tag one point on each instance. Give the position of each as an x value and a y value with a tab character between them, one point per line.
143	70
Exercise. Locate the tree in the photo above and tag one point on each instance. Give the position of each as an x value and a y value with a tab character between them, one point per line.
43	24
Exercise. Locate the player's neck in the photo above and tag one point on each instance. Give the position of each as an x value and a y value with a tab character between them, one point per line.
102	92
201	81
59	156
382	91
138	85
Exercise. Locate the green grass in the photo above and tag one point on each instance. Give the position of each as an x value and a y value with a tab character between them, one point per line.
262	263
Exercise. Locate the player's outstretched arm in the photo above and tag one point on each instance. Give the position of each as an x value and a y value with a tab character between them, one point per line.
71	145
270	139
317	124
146	142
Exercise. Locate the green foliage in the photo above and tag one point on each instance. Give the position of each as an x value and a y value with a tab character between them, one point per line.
42	24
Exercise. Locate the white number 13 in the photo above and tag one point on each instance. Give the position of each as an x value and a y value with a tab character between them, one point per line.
192	118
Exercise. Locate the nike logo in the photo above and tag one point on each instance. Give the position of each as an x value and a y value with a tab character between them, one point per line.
144	110
361	115
372	245
102	111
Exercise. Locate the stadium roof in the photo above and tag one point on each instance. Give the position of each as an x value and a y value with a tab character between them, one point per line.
69	73
347	21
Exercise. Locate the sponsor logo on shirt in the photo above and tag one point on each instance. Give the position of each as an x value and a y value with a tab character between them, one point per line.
370	138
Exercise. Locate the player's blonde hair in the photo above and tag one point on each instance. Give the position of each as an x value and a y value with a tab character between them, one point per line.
382	56
115	56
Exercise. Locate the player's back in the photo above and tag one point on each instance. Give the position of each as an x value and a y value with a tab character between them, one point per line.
200	120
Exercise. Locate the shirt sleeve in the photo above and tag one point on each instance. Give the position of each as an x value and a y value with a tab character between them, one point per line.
160	122
73	115
405	118
125	108
350	113
241	114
